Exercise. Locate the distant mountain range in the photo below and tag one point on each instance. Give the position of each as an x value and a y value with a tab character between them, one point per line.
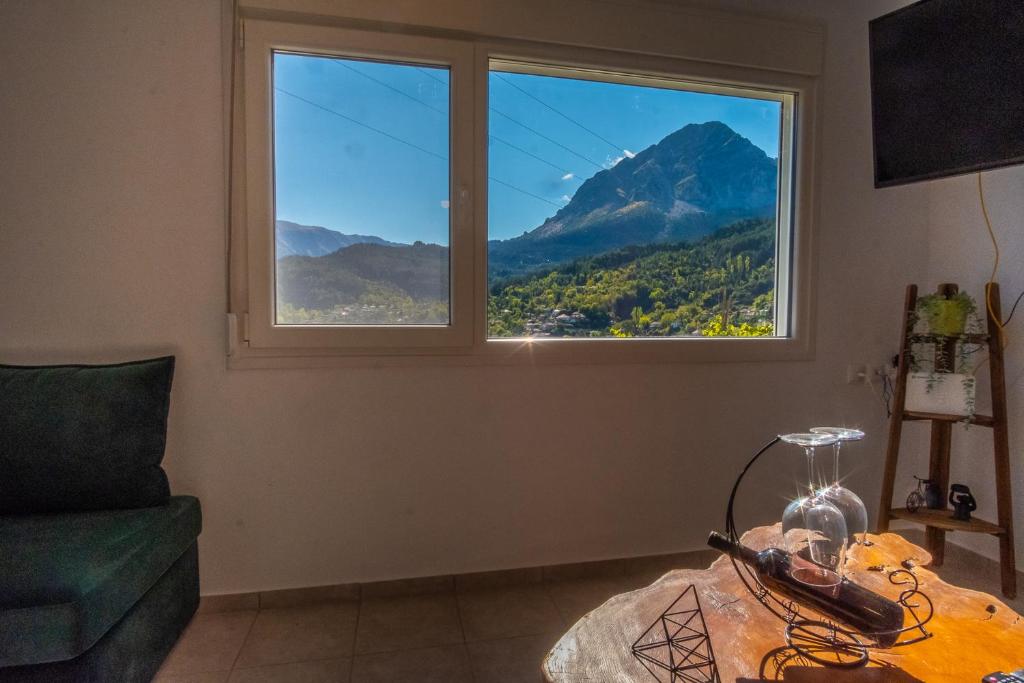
693	182
293	239
418	271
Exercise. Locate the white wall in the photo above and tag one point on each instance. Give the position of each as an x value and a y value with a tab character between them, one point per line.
112	246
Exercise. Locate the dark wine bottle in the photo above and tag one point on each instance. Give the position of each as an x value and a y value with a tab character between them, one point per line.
846	603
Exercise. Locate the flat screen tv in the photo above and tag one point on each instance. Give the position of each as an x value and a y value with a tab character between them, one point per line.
947	89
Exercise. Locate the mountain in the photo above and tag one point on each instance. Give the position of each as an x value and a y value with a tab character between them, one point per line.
293	239
361	272
699	178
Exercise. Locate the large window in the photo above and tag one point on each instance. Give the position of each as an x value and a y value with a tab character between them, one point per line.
629	207
416	195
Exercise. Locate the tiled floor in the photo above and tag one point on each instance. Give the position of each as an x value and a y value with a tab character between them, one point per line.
474	635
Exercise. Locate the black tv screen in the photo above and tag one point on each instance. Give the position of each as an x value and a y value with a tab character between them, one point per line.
947	89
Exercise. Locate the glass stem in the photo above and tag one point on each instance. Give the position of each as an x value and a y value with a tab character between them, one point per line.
835	462
810	470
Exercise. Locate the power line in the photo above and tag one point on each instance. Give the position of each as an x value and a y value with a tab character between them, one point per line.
528	153
552	141
531	154
530	194
359	123
526	127
564	116
392	88
430	75
406	142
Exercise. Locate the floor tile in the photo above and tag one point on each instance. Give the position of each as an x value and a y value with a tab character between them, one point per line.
322	671
647	570
424	585
499	579
694	559
510	660
576	598
448	664
387	624
208	677
211	642
508	612
209	604
584	570
296	634
295	597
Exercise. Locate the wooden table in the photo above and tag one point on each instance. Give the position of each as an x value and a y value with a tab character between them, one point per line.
973	633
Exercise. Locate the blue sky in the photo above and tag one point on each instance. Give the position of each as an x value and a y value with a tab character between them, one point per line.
360	147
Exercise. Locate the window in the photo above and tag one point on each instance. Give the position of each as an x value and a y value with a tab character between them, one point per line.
358	181
631	207
406	194
353	151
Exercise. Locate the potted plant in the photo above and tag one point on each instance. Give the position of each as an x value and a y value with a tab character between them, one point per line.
946	316
941	378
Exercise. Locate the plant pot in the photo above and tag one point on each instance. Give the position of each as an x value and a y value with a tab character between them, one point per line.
946	317
946	393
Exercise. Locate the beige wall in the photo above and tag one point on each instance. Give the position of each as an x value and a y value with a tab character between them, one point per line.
112	246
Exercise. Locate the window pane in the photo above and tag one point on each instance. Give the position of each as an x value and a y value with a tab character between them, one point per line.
624	210
361	192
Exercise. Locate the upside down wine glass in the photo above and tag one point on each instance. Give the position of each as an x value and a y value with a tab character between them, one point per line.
849	503
814	530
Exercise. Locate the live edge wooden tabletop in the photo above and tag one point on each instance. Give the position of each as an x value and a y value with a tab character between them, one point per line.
973	633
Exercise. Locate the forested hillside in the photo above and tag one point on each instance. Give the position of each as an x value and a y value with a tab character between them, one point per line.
365	283
721	285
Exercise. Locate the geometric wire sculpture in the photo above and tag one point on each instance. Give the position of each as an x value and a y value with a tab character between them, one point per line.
677	646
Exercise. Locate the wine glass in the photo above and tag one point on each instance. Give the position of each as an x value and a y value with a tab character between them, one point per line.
814	530
848	502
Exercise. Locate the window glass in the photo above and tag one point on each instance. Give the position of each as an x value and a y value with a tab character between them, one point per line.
618	209
361	191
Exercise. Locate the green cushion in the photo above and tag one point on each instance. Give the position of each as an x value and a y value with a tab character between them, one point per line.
83	437
66	579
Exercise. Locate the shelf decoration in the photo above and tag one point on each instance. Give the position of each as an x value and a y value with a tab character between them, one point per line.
945	344
950	359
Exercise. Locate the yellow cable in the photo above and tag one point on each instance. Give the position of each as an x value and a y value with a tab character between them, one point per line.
995	266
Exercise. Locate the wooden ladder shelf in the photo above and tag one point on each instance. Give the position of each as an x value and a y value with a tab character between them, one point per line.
938	521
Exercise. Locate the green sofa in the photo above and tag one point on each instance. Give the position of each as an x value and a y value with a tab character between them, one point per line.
98	562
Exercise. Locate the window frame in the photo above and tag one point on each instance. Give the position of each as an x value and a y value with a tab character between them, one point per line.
253	341
797	204
262	38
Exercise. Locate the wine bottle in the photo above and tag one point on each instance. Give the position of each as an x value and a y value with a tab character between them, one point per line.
856	607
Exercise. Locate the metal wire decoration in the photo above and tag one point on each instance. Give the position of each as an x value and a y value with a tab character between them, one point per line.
676	648
821	640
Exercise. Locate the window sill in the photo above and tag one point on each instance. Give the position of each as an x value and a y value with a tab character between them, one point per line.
524	352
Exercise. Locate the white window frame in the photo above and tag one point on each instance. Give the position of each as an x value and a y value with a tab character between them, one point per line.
258	343
262	38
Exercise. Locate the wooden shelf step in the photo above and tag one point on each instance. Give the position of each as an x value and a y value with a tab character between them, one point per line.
943	519
982	420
